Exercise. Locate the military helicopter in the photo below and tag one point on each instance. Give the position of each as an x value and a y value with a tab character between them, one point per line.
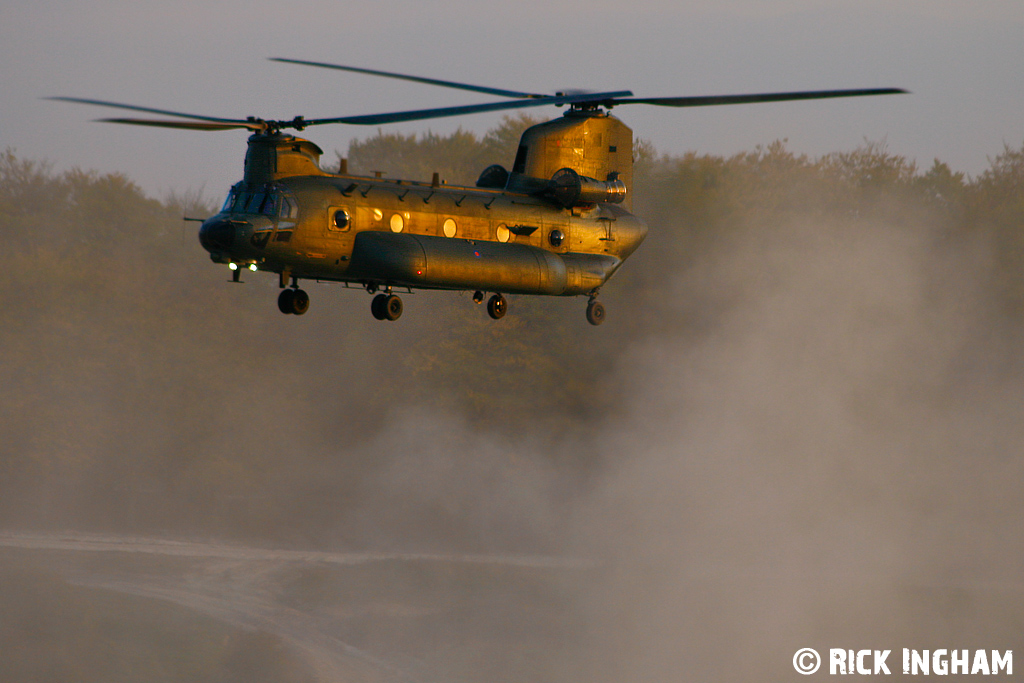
558	223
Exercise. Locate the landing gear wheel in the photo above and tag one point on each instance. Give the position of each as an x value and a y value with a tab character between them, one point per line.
386	307
300	302
393	307
497	307
284	301
595	313
293	301
377	306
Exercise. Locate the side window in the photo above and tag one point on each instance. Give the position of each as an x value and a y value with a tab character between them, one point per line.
340	220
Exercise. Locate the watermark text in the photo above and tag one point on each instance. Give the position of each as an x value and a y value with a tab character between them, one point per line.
941	662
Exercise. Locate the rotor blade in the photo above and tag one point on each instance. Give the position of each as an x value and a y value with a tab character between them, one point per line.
188	125
420	114
712	100
149	110
415	79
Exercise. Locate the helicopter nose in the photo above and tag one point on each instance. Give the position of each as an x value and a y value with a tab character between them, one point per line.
217	235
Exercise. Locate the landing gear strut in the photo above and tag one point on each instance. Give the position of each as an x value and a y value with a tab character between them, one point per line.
293	301
497	307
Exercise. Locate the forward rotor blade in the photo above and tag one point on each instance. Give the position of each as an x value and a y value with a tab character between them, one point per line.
713	100
420	114
415	79
187	125
242	123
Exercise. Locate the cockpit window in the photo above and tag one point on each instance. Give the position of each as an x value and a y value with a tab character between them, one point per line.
269	207
288	209
231	203
255	202
268	202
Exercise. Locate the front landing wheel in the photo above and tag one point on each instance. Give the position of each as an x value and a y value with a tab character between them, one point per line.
300	302
293	301
595	313
284	300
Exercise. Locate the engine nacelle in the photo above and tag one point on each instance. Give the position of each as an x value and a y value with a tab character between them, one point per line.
571	189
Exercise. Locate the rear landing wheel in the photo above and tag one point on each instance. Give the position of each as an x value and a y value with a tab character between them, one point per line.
497	307
595	313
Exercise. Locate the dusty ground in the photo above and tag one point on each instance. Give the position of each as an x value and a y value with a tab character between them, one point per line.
349	616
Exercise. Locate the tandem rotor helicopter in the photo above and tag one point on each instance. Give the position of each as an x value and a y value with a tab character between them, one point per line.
558	223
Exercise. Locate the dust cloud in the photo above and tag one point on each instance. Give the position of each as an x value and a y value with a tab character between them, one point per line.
831	459
814	442
833	463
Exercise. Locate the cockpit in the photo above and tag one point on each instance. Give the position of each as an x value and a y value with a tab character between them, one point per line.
271	200
251	216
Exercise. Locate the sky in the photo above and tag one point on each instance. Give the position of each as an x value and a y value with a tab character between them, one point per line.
959	60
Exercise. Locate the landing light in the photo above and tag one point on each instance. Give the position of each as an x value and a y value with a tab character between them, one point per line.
252	267
233	266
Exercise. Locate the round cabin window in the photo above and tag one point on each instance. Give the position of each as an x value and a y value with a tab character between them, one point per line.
450	228
397	223
503	233
342	221
378	215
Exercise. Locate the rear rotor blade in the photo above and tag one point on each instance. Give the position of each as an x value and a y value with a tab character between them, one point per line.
420	114
713	100
415	79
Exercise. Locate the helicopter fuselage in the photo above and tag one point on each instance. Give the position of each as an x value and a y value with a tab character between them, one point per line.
543	228
397	233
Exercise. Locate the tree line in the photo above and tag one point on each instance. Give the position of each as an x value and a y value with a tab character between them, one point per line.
143	391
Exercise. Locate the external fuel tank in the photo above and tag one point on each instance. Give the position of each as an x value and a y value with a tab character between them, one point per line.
444	263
